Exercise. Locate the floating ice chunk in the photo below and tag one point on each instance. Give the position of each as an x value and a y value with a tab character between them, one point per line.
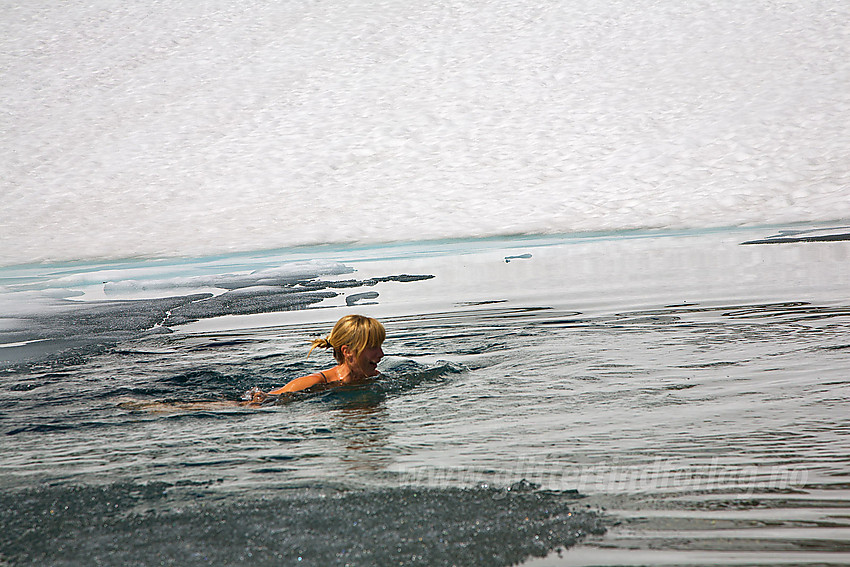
355	298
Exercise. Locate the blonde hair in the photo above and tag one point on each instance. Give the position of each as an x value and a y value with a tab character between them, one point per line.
357	332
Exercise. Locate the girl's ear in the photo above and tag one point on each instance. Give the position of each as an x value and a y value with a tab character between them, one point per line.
346	352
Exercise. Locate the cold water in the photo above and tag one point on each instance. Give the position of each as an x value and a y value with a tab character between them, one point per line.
678	394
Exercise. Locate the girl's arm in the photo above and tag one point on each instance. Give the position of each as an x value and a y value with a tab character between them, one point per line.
299	384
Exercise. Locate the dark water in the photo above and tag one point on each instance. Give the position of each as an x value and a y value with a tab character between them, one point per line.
661	399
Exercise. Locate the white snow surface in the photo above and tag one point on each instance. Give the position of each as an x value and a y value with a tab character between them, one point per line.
161	128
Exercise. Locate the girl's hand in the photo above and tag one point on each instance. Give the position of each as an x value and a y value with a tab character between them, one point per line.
255	396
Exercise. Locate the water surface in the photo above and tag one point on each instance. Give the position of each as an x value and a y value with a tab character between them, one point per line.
681	392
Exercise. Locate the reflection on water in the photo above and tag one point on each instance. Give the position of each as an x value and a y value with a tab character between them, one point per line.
362	425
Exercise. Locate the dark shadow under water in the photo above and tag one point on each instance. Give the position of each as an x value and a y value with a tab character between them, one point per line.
161	524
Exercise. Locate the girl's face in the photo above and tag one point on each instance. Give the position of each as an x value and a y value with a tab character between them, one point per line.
366	363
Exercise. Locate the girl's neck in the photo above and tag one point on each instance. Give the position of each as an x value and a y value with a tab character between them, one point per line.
345	374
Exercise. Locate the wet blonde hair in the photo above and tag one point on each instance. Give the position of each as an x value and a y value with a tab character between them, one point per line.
357	332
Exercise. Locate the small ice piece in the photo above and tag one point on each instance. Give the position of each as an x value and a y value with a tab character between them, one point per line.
355	297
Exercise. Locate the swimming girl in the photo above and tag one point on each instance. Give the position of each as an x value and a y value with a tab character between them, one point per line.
356	342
